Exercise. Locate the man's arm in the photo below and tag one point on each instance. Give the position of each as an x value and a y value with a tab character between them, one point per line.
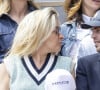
81	76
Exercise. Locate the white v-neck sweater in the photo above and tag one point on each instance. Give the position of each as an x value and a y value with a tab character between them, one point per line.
25	76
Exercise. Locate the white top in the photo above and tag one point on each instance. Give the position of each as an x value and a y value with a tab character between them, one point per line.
84	44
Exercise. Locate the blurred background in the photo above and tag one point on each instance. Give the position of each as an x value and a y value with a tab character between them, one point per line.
57	4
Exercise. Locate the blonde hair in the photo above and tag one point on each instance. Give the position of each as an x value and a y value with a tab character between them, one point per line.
5	5
34	29
72	8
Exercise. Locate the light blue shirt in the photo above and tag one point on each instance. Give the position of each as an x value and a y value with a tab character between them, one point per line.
76	42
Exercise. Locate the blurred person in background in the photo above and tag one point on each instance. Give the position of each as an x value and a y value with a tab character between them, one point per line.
77	41
11	13
88	67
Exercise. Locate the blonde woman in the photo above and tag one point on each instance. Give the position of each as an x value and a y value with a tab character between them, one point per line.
11	13
33	52
77	40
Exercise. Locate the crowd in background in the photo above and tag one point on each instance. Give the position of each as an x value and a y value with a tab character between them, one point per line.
33	43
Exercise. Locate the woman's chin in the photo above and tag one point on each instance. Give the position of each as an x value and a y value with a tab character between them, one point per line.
58	50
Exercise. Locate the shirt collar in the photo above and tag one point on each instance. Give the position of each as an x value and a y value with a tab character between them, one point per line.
86	18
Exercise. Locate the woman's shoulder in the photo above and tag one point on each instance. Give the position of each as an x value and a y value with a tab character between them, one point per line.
12	58
68	23
67	26
65	62
12	61
64	58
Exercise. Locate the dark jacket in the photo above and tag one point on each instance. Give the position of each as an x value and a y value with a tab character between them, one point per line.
7	31
88	73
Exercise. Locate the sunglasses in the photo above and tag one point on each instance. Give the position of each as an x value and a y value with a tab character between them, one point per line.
57	30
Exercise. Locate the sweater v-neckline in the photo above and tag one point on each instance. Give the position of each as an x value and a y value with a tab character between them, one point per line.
36	74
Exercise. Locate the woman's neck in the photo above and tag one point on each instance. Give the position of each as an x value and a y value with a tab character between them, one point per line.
88	11
40	55
18	10
39	59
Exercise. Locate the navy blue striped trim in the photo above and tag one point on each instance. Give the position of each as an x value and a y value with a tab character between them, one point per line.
44	65
33	77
